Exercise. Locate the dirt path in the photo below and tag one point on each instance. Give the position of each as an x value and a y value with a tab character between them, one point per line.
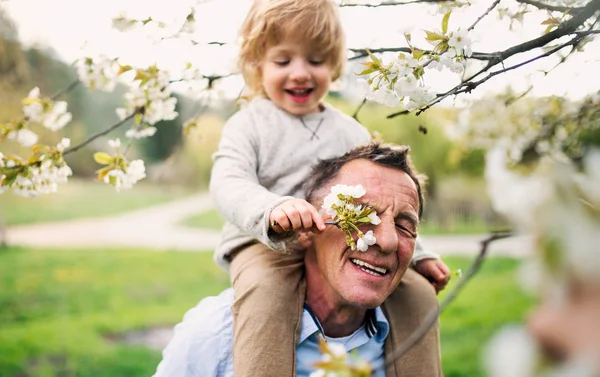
159	228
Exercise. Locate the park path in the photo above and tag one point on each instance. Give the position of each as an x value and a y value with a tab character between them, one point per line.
159	228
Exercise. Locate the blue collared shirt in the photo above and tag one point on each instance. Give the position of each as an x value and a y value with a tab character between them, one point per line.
203	341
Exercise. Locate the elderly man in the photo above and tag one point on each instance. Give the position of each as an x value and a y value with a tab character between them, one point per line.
344	287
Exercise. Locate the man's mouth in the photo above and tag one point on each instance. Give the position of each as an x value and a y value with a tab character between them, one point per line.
369	268
299	92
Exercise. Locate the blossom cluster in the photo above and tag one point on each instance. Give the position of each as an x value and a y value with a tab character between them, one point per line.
340	205
149	101
336	362
118	171
36	110
528	128
39	175
98	73
401	81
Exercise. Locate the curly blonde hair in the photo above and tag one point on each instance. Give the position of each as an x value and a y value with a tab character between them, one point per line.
269	22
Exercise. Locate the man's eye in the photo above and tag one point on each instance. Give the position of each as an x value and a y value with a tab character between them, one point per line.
406	230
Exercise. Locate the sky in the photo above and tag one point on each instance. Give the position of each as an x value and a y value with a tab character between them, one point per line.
75	28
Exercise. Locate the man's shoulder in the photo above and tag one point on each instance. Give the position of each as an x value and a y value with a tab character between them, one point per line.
201	343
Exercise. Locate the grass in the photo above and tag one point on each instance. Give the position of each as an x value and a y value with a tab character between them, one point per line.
60	310
212	220
58	307
490	300
80	199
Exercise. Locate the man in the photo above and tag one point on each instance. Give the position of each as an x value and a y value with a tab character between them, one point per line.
344	287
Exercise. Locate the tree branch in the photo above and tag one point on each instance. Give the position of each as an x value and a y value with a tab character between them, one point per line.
362	52
71	86
432	316
553	8
355	115
568	27
494	4
102	133
395	3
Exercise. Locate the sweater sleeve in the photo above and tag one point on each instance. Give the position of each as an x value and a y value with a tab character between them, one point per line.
422	253
234	185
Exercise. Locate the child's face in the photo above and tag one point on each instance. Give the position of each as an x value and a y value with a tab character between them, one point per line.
295	77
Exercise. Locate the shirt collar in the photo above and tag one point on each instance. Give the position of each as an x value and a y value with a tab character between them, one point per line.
375	325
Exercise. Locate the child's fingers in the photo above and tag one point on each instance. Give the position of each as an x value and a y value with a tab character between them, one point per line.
305	214
279	221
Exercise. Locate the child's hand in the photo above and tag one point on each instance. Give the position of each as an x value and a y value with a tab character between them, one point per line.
295	215
434	270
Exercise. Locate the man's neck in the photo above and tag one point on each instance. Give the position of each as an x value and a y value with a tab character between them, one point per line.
337	320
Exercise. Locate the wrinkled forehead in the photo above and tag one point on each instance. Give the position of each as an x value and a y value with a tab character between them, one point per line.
383	184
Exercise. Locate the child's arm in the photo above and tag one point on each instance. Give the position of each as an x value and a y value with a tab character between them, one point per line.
429	264
234	185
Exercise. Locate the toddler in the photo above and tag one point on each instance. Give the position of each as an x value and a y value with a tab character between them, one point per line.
291	51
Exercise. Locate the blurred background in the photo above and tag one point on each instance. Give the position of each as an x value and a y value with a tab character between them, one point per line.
92	281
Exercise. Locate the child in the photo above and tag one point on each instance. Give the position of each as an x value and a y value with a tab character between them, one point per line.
291	51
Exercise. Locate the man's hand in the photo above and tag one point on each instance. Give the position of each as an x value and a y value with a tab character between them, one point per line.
434	270
295	215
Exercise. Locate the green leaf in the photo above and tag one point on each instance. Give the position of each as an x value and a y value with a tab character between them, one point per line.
103	158
551	21
445	22
103	172
417	54
367	71
364	220
147	20
431	36
374	58
124	68
549	29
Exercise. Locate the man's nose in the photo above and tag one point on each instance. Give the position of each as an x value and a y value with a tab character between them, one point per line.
386	236
299	71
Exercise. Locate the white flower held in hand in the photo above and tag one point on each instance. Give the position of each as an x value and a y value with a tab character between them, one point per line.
348	215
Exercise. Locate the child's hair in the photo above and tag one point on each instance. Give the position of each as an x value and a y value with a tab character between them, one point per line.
269	22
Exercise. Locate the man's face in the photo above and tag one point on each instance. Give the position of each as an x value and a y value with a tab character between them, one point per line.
347	276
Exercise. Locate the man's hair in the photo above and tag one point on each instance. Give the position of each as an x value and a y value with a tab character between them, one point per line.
388	155
269	22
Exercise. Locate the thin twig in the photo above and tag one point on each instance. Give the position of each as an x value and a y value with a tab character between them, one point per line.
556	8
395	3
494	4
362	52
433	315
355	115
99	134
71	86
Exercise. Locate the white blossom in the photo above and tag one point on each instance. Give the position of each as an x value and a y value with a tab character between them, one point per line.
57	117
42	180
375	220
140	133
115	144
512	352
63	144
124	180
368	239
23	136
123	24
461	42
98	73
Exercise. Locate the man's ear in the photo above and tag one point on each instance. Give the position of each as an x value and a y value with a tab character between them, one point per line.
305	238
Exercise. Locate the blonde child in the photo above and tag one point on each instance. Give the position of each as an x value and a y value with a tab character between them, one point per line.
291	51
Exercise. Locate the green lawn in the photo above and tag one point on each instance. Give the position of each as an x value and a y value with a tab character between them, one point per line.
212	220
60	310
84	199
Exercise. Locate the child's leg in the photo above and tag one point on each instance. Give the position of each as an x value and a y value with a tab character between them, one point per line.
406	309
269	298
